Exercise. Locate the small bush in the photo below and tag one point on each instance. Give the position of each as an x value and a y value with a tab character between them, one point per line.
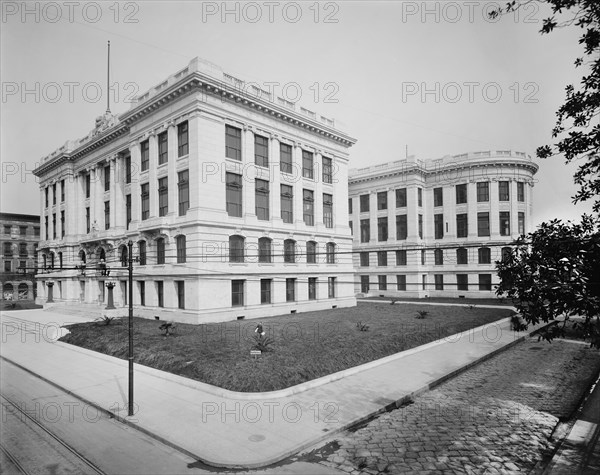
363	327
166	327
105	319
263	343
394	300
422	314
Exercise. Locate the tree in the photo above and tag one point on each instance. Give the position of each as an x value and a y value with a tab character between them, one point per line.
578	119
554	272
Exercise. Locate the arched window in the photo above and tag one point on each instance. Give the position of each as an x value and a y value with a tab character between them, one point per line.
311	252
506	253
23	291
485	255
82	256
142	251
181	244
8	291
160	251
236	249
265	253
124	256
461	256
102	255
289	251
330	252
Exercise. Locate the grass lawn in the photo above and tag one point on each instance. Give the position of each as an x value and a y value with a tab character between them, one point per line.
489	301
306	345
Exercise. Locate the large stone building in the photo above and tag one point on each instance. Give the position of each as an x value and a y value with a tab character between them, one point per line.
435	228
235	200
20	237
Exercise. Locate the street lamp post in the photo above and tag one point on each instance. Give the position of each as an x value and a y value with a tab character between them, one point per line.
130	264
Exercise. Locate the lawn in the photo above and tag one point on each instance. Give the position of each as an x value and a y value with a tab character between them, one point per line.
305	345
458	301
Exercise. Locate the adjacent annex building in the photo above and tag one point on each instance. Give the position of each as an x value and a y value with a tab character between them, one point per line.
435	228
235	201
20	237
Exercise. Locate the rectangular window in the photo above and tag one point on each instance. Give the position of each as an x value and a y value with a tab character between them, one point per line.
485	281
504	223
461	194
145	195
483	224
420	196
265	290
382	280
307	164
88	186
438	197
485	255
183	191
23	230
438	226
439	281
142	287
503	191
54	194
7	266
145	154
423	257
483	191
290	290
160	251
107	215
163	196
287	204
521	223
382	258
46	235
36	231
382	229
182	139
328	210
308	207
234	194
365	230
421	226
462	256
401	226
87	221
163	148
285	158
181	243
142	250
53	225
62	191
438	257
180	286
364	203
351	226
261	199
237	293
401	257
364	284
349	205
462	282
46	190
364	259
23	264
127	210
327	170
400	282
107	178
233	143
22	249
261	151
401	198
382	200
312	288
331	287
520	191
160	287
461	225
128	169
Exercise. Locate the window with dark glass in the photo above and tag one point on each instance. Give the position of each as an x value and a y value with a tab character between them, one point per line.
54	194
142	287
401	258
483	191
401	226
423	257
307	164
364	284
438	257
520	191
364	259
421	226
420	196
124	256
107	215
382	200
180	288
236	248
87	221
461	194
311	252
461	225
261	151
506	253
63	230
504	223
364	203
382	281
182	139
183	189
233	142
327	170
163	196
265	290
145	154
328	210
128	169
521	222
351	226
349	205
46	191
163	148
382	258
484	255
237	293
290	290
401	198
62	191
400	282
234	194
382	229
106	178
483	224
485	281
160	251
88	185
53	225
289	251
330	253
312	288
365	230
36	231
287	204
308	207
438	226
142	251
439	281
265	252
285	158
261	199
331	281
438	197
145	195
462	282
160	293
503	191
462	256
127	210
180	242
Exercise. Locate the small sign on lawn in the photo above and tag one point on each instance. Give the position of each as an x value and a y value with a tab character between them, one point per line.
255	353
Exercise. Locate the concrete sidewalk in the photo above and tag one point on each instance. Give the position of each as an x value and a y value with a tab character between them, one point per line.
226	428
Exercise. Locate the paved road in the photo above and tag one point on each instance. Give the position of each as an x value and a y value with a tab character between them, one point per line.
497	417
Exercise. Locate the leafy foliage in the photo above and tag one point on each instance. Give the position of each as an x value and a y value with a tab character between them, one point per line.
422	314
363	327
105	319
578	126
555	272
167	327
263	343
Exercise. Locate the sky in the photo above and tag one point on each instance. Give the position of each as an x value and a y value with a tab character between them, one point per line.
433	78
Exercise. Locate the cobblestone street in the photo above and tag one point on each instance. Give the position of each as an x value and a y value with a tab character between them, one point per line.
495	418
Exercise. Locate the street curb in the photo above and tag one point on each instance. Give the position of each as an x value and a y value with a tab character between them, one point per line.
299	448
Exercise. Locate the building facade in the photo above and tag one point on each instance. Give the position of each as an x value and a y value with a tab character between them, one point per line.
20	238
436	228
235	201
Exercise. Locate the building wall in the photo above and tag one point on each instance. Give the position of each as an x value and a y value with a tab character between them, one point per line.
491	167
207	226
